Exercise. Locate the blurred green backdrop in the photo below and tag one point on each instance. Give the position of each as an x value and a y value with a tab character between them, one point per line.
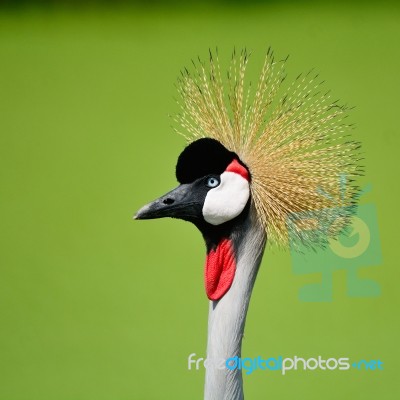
91	304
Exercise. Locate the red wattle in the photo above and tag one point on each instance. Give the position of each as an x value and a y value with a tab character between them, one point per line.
237	168
219	270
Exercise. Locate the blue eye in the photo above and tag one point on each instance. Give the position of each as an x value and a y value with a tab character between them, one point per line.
212	182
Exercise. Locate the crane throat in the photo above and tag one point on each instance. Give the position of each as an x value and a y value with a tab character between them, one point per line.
220	268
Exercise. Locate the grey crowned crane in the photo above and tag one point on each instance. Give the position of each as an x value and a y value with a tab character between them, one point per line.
256	163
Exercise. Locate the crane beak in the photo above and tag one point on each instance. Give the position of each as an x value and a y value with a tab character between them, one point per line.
181	202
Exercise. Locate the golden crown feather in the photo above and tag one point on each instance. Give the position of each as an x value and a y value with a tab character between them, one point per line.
294	140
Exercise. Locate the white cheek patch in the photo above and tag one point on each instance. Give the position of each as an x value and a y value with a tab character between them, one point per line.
227	200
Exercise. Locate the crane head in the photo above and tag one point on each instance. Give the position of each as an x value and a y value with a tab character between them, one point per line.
214	187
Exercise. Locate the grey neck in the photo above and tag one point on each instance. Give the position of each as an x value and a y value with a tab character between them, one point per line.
227	316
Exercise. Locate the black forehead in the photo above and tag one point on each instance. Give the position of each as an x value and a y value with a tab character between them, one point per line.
203	157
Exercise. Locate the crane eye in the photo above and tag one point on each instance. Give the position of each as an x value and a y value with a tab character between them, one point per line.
212	182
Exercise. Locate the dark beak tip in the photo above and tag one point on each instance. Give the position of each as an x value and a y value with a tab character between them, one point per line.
168	205
141	214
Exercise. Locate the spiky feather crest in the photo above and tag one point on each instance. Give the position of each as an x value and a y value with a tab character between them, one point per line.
294	140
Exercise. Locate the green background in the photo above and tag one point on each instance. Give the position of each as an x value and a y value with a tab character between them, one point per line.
94	305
